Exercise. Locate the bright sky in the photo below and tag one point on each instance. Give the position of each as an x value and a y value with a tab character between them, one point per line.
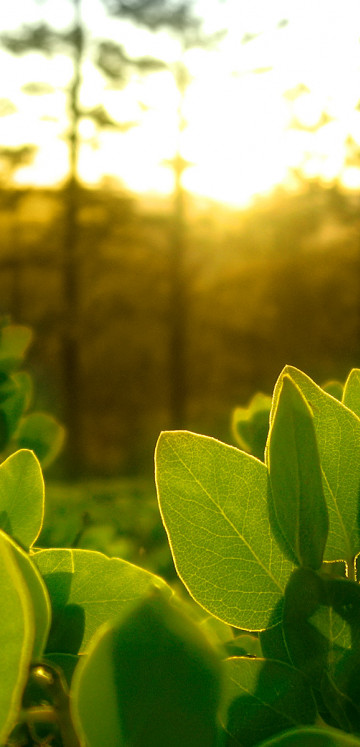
239	137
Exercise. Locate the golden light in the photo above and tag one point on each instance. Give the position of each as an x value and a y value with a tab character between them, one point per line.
238	136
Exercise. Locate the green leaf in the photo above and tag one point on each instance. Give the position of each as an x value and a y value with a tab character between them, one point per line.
43	434
338	439
333	387
321	627
24	382
250	425
150	678
351	395
14	342
273	644
13	397
38	595
312	737
307	646
87	589
295	476
21	497
17	631
264	697
213	501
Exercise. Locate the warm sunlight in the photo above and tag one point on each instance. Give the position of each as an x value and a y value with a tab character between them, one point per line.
256	112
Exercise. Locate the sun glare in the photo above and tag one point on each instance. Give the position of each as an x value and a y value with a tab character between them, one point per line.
244	133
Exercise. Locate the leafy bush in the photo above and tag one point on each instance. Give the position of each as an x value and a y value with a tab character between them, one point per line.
37	431
271	548
96	651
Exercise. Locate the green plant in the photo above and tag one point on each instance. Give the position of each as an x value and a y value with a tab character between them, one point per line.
96	651
271	548
19	428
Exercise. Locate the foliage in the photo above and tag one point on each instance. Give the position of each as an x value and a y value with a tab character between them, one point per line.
19	428
271	547
99	651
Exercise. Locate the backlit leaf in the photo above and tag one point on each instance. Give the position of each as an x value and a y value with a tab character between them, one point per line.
213	501
87	589
17	631
21	497
338	438
351	394
38	594
295	476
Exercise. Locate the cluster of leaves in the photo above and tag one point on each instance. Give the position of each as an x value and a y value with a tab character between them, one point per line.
270	547
20	428
97	651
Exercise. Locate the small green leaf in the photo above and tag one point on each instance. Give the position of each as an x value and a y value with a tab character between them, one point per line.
351	395
338	438
264	697
250	425
14	342
87	589
295	476
312	737
150	678
213	501
21	497
24	382
42	434
333	387
13	397
17	631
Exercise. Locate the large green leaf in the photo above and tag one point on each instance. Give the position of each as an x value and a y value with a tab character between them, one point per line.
43	434
21	497
264	697
213	501
312	737
338	437
351	394
17	631
149	678
87	589
295	476
38	594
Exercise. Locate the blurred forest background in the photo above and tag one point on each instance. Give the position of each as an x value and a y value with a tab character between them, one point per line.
167	307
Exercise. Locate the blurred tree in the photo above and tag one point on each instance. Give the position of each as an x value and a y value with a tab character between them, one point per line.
11	158
112	60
